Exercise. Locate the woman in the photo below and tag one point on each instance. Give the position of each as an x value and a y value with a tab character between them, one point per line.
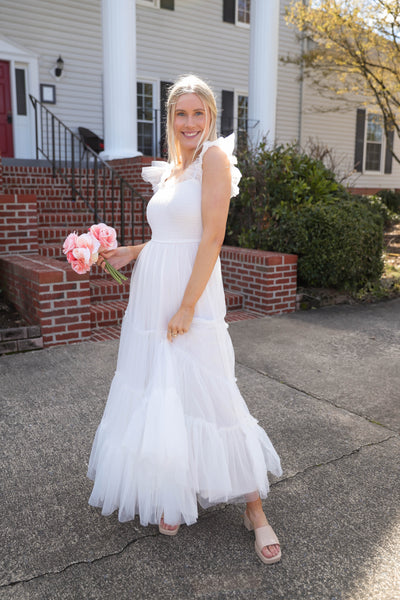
175	430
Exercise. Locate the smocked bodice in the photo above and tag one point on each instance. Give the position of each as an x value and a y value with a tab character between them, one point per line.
174	212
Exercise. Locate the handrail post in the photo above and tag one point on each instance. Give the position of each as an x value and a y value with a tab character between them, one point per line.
96	209
33	100
73	168
122	200
53	145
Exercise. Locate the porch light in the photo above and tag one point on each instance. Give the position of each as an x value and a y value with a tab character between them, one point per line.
59	67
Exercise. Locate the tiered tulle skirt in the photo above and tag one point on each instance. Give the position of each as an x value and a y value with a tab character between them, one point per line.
175	430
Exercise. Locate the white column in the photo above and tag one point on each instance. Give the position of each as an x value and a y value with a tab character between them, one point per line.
119	73
263	68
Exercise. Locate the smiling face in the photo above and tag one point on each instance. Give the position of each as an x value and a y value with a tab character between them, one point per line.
191	122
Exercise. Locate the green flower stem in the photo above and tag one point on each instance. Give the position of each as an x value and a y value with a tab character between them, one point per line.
119	277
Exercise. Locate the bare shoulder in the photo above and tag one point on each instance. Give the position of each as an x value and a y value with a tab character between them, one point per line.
214	160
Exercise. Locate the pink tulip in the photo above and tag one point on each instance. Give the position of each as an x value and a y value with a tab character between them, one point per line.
106	235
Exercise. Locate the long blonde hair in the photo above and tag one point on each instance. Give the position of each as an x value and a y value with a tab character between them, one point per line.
190	84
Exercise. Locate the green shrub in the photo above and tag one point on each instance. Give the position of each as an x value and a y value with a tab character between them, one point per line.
391	199
339	244
272	179
290	202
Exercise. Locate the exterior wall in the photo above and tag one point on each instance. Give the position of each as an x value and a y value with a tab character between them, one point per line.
289	87
72	30
18	223
192	39
267	280
50	294
333	124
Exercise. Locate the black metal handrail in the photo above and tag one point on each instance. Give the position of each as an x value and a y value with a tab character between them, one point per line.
72	160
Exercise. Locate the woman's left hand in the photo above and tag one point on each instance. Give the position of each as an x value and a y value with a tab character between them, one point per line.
180	322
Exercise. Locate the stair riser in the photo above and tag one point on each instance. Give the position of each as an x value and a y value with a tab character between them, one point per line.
96	296
52	251
106	316
63	219
233	301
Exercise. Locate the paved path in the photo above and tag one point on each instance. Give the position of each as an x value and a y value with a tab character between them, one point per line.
326	386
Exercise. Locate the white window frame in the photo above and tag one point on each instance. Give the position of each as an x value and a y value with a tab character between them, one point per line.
156	101
149	3
236	107
382	143
240	23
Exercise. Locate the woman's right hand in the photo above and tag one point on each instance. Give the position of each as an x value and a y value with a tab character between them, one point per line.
119	257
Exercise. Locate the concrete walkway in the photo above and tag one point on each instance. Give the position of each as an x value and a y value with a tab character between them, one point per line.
326	386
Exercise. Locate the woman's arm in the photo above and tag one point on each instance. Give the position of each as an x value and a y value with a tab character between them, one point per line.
121	256
216	188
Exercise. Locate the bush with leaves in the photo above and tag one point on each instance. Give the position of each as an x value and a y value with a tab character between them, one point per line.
272	179
391	199
291	203
339	244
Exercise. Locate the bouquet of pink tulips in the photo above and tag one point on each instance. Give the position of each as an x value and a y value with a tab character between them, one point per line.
83	250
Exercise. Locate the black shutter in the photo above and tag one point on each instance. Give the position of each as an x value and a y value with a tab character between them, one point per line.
168	4
164	87
227	112
389	155
229	11
360	133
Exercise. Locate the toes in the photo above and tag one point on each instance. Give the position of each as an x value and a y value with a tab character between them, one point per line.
270	551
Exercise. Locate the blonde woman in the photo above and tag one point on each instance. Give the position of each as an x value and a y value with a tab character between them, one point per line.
176	431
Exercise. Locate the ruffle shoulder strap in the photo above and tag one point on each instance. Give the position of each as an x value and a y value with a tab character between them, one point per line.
156	173
226	144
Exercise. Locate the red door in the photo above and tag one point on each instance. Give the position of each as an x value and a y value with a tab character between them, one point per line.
6	133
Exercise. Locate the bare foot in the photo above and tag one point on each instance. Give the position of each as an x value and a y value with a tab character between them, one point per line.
166	526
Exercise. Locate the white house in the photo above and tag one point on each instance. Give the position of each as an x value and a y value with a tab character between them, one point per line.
63	52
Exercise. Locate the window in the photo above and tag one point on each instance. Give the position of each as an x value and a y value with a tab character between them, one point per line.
374	142
167	4
242	119
145	120
236	12
372	147
243	11
20	87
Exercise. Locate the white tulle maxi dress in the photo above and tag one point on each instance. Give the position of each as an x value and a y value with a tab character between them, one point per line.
176	430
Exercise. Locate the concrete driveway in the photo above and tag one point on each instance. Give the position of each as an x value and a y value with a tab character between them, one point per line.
325	384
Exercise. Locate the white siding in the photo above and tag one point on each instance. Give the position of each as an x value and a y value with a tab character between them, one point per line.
72	29
192	39
333	123
289	87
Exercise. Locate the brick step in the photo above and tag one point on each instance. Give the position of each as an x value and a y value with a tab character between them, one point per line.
53	234
104	290
97	272
234	301
52	204
110	299
106	314
81	220
52	250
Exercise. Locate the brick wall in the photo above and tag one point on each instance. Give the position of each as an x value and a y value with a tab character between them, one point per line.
267	280
48	293
18	223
